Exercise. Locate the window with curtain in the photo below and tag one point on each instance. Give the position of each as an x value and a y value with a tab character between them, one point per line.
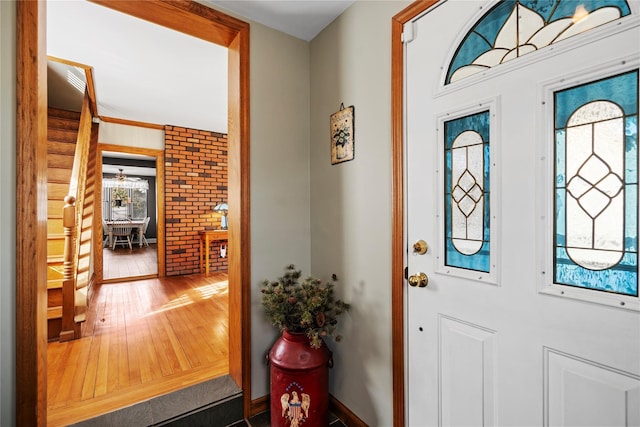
132	204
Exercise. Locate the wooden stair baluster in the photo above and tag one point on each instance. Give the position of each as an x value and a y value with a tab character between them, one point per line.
68	284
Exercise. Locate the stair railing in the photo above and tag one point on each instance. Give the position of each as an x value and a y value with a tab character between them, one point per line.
77	232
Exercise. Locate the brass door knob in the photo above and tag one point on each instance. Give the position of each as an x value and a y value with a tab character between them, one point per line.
420	280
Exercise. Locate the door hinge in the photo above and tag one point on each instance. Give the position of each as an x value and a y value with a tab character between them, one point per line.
408	32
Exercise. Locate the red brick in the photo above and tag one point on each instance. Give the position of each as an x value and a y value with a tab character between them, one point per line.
203	175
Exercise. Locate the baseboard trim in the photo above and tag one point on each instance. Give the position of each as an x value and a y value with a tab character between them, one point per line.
338	408
345	414
259	405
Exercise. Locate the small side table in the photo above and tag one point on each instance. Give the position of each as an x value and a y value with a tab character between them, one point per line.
206	237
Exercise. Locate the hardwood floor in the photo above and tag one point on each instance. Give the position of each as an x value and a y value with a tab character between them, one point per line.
141	339
125	262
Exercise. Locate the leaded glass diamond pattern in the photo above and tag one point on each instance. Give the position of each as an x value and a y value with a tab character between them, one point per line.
596	212
594	186
466	192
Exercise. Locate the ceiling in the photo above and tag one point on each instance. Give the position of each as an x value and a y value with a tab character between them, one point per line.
142	71
303	19
147	73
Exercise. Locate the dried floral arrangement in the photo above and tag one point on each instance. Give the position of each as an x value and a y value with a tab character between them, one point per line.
308	305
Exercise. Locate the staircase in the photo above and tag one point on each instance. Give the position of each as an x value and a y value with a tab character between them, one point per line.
62	135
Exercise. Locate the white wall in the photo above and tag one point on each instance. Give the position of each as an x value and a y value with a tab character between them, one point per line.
351	201
280	214
7	212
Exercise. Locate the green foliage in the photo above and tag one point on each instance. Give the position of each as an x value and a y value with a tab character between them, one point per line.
307	306
119	193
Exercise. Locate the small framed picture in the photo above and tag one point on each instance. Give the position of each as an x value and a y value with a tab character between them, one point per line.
342	135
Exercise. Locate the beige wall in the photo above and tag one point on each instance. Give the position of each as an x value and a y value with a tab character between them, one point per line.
327	219
7	212
297	197
351	201
279	175
131	136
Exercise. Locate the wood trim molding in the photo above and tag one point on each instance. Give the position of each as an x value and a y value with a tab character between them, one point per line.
98	261
345	414
68	62
260	405
204	22
160	224
91	89
31	220
151	152
397	240
88	73
185	16
131	123
398	200
239	215
97	243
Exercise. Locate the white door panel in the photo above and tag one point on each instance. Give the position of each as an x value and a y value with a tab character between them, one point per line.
467	359
489	350
582	393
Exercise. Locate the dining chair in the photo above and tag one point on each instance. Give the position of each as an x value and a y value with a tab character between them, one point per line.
144	231
121	234
105	232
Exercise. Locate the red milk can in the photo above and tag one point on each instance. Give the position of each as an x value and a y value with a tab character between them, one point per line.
299	382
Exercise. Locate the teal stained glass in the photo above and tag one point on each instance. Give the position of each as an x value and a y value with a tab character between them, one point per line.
596	185
514	28
466	197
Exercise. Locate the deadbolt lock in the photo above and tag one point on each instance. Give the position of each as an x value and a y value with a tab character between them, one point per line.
420	280
420	247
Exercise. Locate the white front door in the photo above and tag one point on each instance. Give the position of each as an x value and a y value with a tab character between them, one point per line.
492	339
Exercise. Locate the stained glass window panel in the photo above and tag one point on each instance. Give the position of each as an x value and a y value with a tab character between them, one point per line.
596	179
467	192
513	28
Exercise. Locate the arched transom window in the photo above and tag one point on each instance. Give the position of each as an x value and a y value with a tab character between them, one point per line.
513	28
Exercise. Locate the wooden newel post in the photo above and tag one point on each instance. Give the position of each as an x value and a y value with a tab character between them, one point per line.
68	284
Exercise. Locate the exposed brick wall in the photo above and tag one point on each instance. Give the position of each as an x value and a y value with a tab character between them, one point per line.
195	181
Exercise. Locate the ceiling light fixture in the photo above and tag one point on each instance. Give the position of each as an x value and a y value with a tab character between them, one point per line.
121	181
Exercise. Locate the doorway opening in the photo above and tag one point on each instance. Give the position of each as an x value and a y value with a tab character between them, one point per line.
188	17
140	254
